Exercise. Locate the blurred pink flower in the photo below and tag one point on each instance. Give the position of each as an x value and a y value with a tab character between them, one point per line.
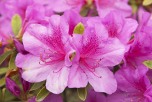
140	46
119	26
133	86
104	7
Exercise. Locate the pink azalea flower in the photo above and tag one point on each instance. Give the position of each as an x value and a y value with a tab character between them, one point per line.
119	26
10	7
106	6
103	6
29	10
63	5
48	57
95	52
141	48
132	86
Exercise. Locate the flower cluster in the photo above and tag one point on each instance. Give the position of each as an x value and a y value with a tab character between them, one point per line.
53	50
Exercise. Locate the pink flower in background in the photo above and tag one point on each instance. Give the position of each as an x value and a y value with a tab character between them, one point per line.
48	57
5	30
119	26
95	52
10	7
141	48
106	6
63	5
133	86
29	10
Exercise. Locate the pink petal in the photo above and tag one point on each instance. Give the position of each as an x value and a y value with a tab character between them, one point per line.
32	41
33	71
57	80
102	80
77	78
112	52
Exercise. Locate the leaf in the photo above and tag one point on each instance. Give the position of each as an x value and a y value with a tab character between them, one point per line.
82	93
147	2
3	70
16	24
148	63
37	86
12	61
43	93
4	56
2	81
79	28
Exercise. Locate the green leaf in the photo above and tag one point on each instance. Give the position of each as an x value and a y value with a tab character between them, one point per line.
2	81
147	2
148	63
3	70
16	24
79	28
12	61
82	93
4	56
43	93
37	86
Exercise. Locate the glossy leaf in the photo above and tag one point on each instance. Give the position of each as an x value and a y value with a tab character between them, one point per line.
82	93
16	24
43	93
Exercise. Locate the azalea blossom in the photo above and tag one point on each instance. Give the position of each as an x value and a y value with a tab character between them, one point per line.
106	6
103	7
27	10
49	51
133	86
118	26
141	48
92	57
